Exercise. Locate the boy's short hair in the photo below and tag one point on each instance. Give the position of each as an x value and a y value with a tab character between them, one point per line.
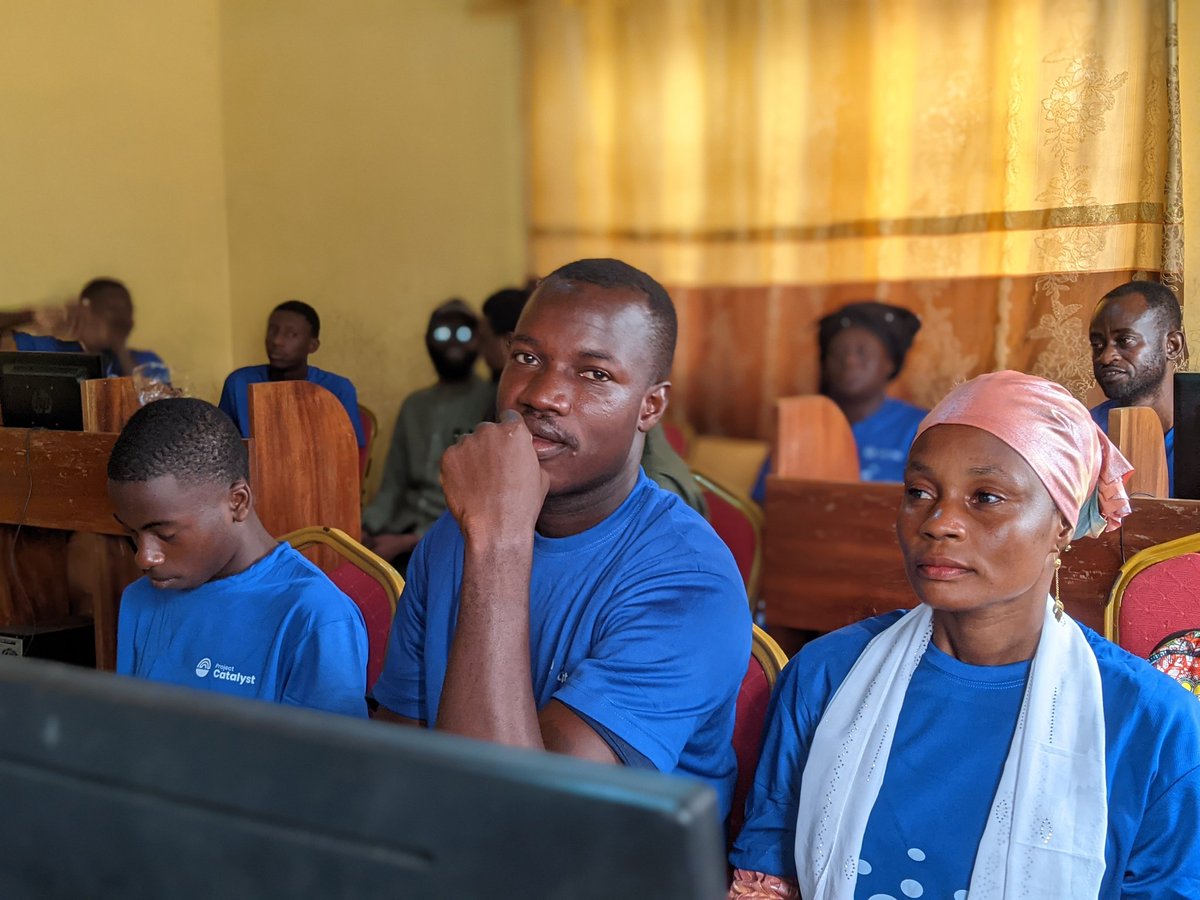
180	436
303	309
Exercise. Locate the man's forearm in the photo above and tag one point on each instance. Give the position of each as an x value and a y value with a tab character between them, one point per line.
488	692
15	319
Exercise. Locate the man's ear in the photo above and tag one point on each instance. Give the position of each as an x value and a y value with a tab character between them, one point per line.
241	500
654	404
314	345
1176	347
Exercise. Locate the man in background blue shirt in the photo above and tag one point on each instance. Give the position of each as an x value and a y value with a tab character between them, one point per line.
293	334
1137	344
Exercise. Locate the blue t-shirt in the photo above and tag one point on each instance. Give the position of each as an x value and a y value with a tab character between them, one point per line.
952	739
235	401
1100	417
883	439
639	624
111	365
279	630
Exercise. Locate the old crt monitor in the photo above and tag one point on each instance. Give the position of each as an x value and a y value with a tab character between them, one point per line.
42	390
121	788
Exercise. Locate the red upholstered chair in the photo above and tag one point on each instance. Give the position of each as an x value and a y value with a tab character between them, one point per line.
738	522
370	427
366	579
1156	594
766	662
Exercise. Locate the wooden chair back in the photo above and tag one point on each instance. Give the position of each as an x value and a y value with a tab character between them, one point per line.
813	440
1137	432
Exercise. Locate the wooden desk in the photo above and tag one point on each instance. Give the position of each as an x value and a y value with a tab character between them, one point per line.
831	555
54	500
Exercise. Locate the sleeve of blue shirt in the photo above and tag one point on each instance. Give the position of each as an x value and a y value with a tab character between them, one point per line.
669	656
1164	863
401	684
344	391
330	668
126	661
230	403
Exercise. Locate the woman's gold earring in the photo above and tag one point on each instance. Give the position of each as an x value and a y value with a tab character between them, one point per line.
1058	604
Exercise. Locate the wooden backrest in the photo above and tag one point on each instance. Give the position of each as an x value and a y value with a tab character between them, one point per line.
108	403
734	462
304	462
1137	432
813	440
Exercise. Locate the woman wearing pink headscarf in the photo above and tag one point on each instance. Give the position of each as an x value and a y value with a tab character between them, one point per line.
983	744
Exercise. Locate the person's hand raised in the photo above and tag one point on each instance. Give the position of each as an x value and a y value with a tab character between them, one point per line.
492	479
75	320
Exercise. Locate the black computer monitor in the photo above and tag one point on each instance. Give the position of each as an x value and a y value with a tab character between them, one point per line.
114	787
41	390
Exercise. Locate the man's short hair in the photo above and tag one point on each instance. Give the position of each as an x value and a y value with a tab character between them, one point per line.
303	309
100	286
1159	298
180	436
503	309
613	273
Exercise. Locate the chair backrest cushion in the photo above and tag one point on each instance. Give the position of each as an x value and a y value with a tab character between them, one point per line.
372	601
1161	600
732	527
750	721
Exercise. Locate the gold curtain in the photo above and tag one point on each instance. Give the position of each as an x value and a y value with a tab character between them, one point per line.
995	165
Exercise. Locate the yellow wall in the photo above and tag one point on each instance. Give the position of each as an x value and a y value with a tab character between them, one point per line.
111	163
224	155
373	159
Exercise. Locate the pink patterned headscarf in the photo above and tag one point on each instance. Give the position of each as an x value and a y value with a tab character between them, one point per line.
1079	466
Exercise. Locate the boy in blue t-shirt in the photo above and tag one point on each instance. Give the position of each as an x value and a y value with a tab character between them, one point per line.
222	606
293	334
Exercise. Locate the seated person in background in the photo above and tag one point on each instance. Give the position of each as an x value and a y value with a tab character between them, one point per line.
293	334
222	606
863	346
1137	344
100	321
983	744
567	602
500	314
665	467
410	496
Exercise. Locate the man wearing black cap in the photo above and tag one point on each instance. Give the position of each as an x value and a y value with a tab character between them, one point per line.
863	346
410	497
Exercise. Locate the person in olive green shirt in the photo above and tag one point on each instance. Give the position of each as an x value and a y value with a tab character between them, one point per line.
410	496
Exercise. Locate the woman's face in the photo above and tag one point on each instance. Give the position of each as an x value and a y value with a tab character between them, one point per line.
977	527
857	366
